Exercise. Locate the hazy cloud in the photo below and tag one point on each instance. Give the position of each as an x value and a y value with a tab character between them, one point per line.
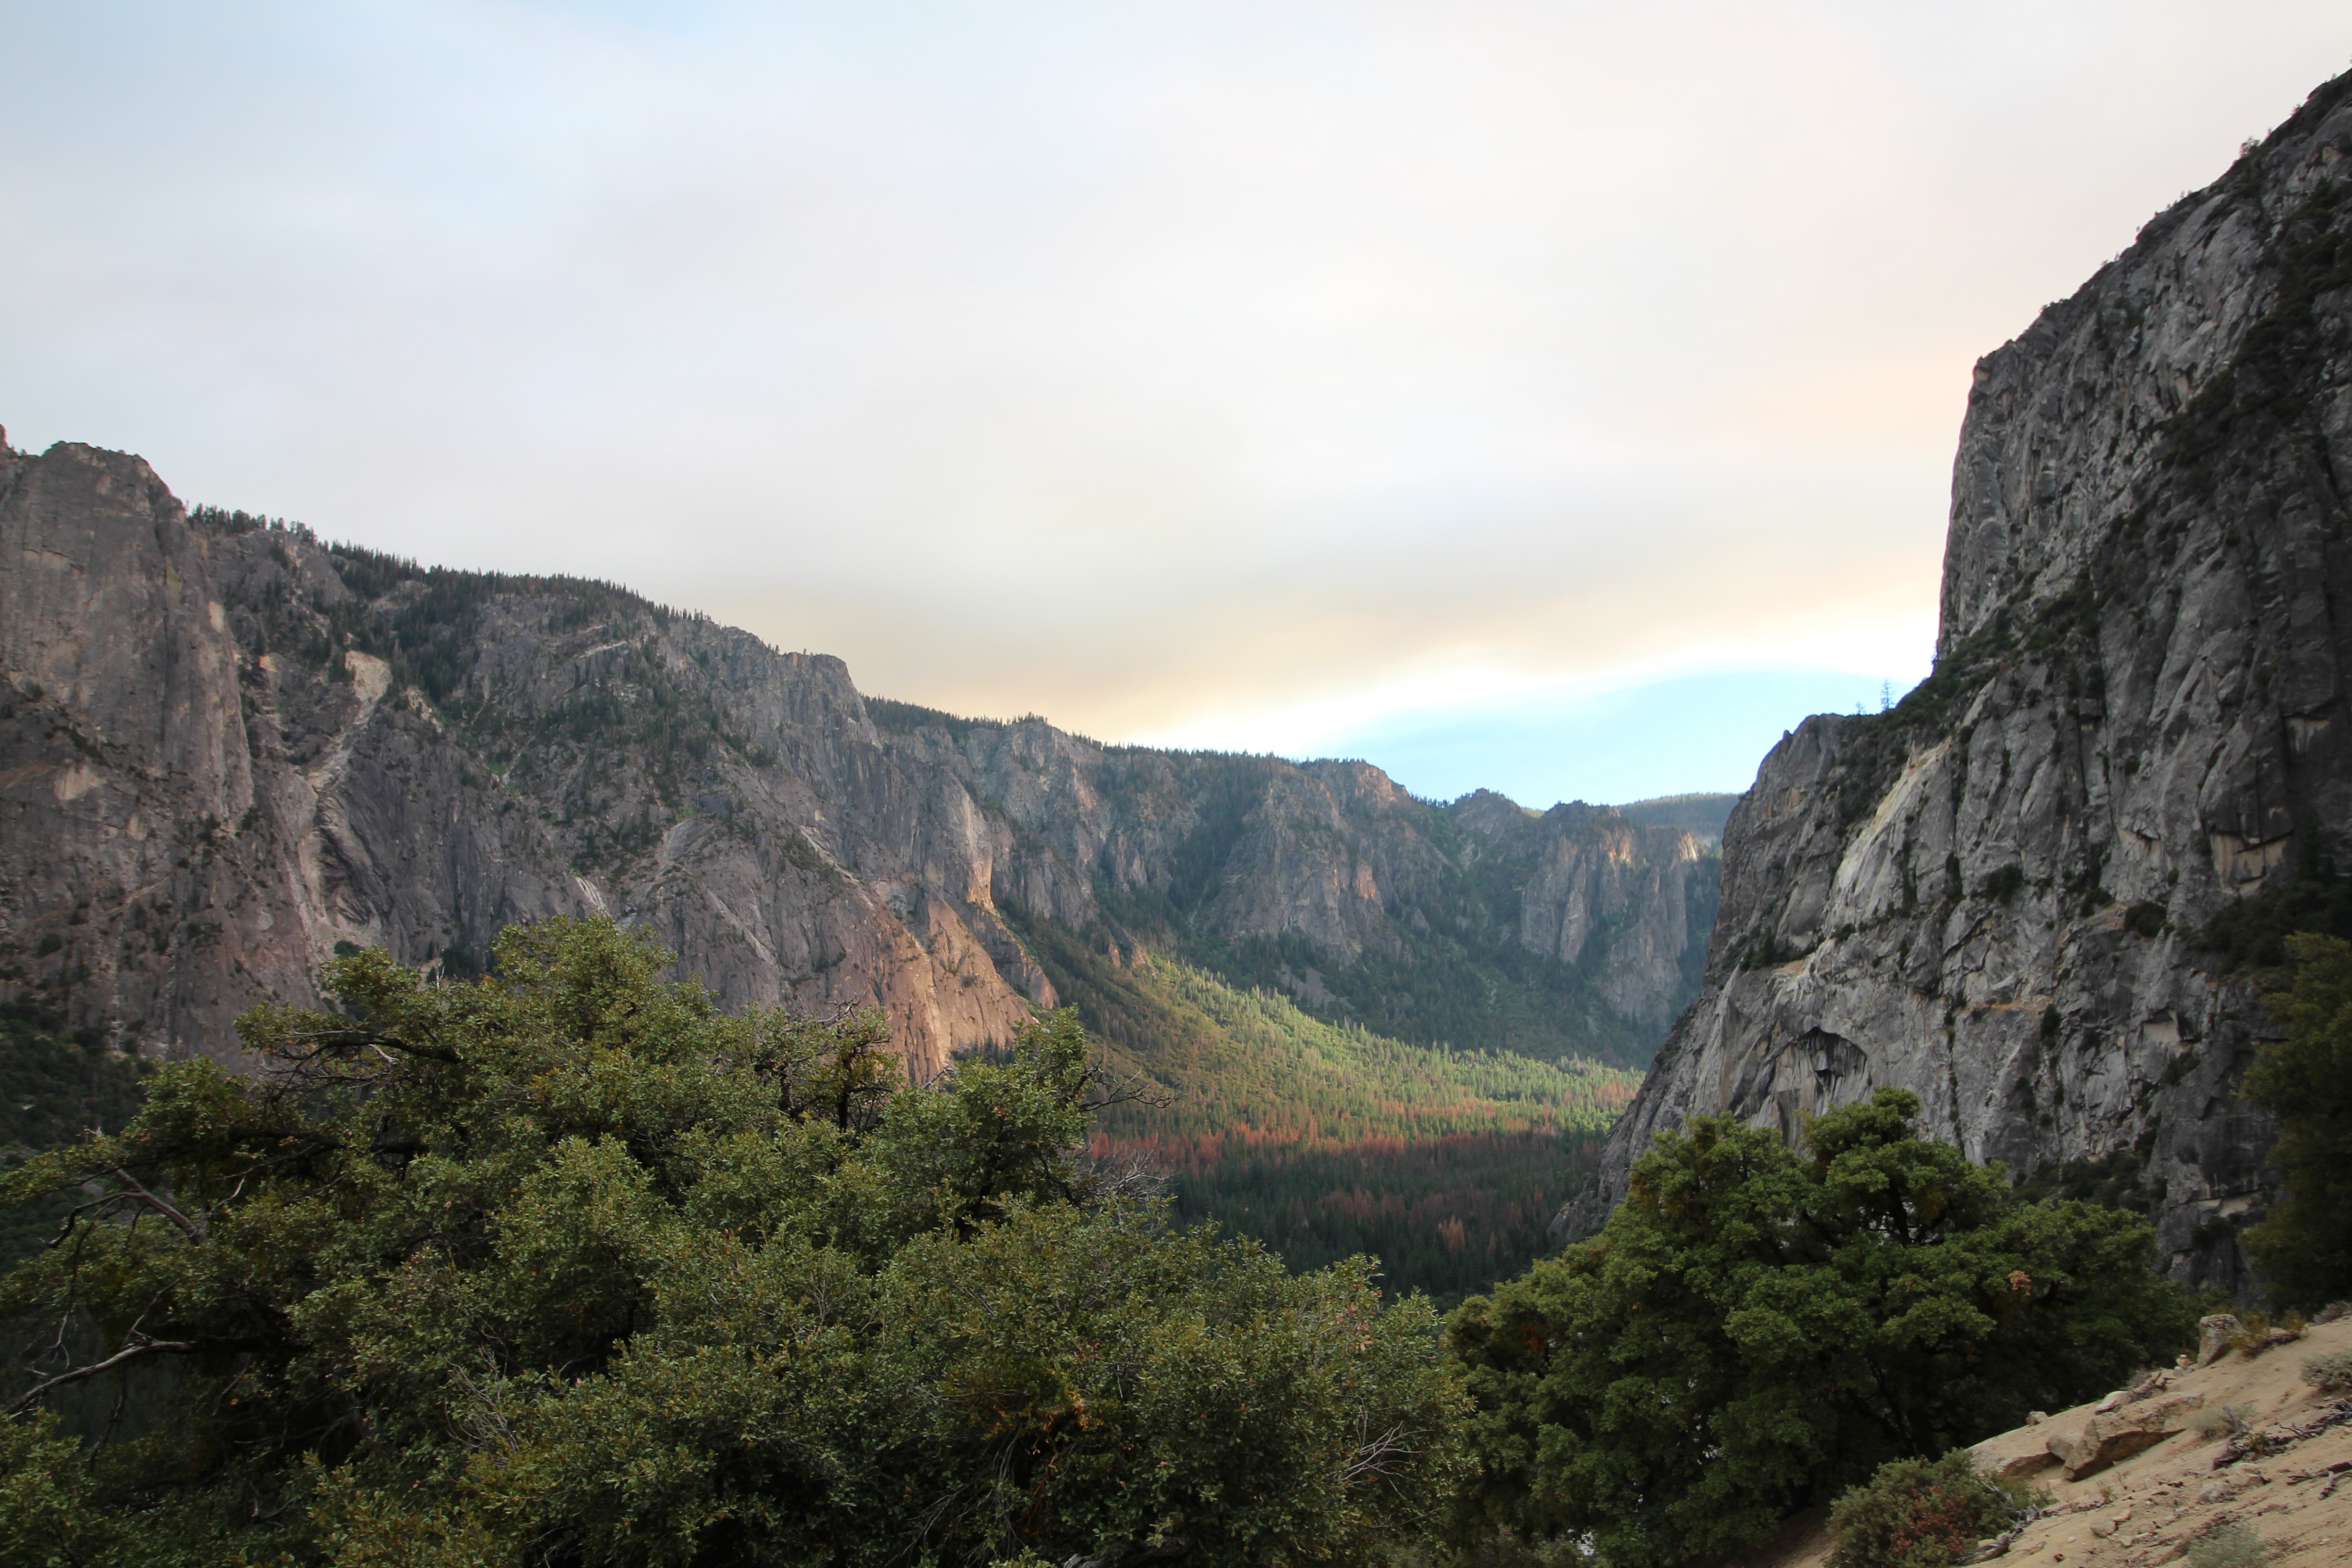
1259	374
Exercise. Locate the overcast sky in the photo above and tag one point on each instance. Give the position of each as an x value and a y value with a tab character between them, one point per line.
1555	396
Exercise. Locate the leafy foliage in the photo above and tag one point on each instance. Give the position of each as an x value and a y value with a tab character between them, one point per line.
2117	1179
1755	1330
2254	931
1921	1513
2305	1246
55	1085
567	1265
45	1518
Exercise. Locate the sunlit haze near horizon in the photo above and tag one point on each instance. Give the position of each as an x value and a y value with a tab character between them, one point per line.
1554	397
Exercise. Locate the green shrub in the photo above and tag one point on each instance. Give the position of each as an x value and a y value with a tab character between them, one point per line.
2304	1248
1922	1513
1757	1329
2332	1372
569	1266
2230	1546
2254	1335
45	1513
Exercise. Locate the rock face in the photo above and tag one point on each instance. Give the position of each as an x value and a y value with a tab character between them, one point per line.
2136	720
2112	1435
226	749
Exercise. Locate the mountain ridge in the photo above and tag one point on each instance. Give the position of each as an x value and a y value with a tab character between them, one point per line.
229	747
1992	895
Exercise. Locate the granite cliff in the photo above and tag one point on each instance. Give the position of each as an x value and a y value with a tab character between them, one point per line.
1993	894
226	748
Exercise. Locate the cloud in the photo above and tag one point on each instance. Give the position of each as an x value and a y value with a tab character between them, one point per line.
1240	372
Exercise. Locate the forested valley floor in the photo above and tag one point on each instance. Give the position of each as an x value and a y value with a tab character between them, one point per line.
1325	1141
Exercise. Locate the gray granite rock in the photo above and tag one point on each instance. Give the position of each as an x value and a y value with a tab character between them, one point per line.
226	749
2137	719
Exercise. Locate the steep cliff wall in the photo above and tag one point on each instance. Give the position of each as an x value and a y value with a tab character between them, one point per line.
209	783
1479	922
2136	719
225	749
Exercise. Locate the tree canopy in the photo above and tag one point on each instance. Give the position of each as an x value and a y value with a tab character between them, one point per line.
1757	1328
2304	1248
567	1265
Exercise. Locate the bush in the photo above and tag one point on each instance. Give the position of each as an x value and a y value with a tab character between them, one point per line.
1756	1329
2304	1248
2221	1421
568	1266
2228	1546
1921	1513
45	1514
2253	1333
2331	1373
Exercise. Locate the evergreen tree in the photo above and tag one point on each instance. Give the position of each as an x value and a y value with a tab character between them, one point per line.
567	1265
2305	1248
1756	1329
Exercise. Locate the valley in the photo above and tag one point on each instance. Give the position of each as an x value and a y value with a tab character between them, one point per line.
502	1070
233	750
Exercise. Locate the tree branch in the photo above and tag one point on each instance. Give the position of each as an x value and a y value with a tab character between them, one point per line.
325	1040
127	1353
194	1231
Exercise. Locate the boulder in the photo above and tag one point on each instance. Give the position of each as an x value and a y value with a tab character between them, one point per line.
2118	1434
2213	1336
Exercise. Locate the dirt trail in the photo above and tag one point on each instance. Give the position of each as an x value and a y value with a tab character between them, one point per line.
2293	1491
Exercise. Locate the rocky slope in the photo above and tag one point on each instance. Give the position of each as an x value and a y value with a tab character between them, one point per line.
2160	1468
226	749
2136	720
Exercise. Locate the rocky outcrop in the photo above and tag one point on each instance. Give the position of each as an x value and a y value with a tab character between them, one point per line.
1623	887
2119	1433
226	749
2136	719
209	784
1329	880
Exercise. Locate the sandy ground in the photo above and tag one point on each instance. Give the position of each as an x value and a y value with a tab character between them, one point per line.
2148	1507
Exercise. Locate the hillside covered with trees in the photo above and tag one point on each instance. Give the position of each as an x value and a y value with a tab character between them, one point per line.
568	1264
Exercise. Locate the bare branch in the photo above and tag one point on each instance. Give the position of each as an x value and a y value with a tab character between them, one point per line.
1380	1459
127	1353
322	1041
1132	1089
194	1231
1137	1090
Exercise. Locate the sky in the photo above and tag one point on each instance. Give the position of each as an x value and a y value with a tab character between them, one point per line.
1555	398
